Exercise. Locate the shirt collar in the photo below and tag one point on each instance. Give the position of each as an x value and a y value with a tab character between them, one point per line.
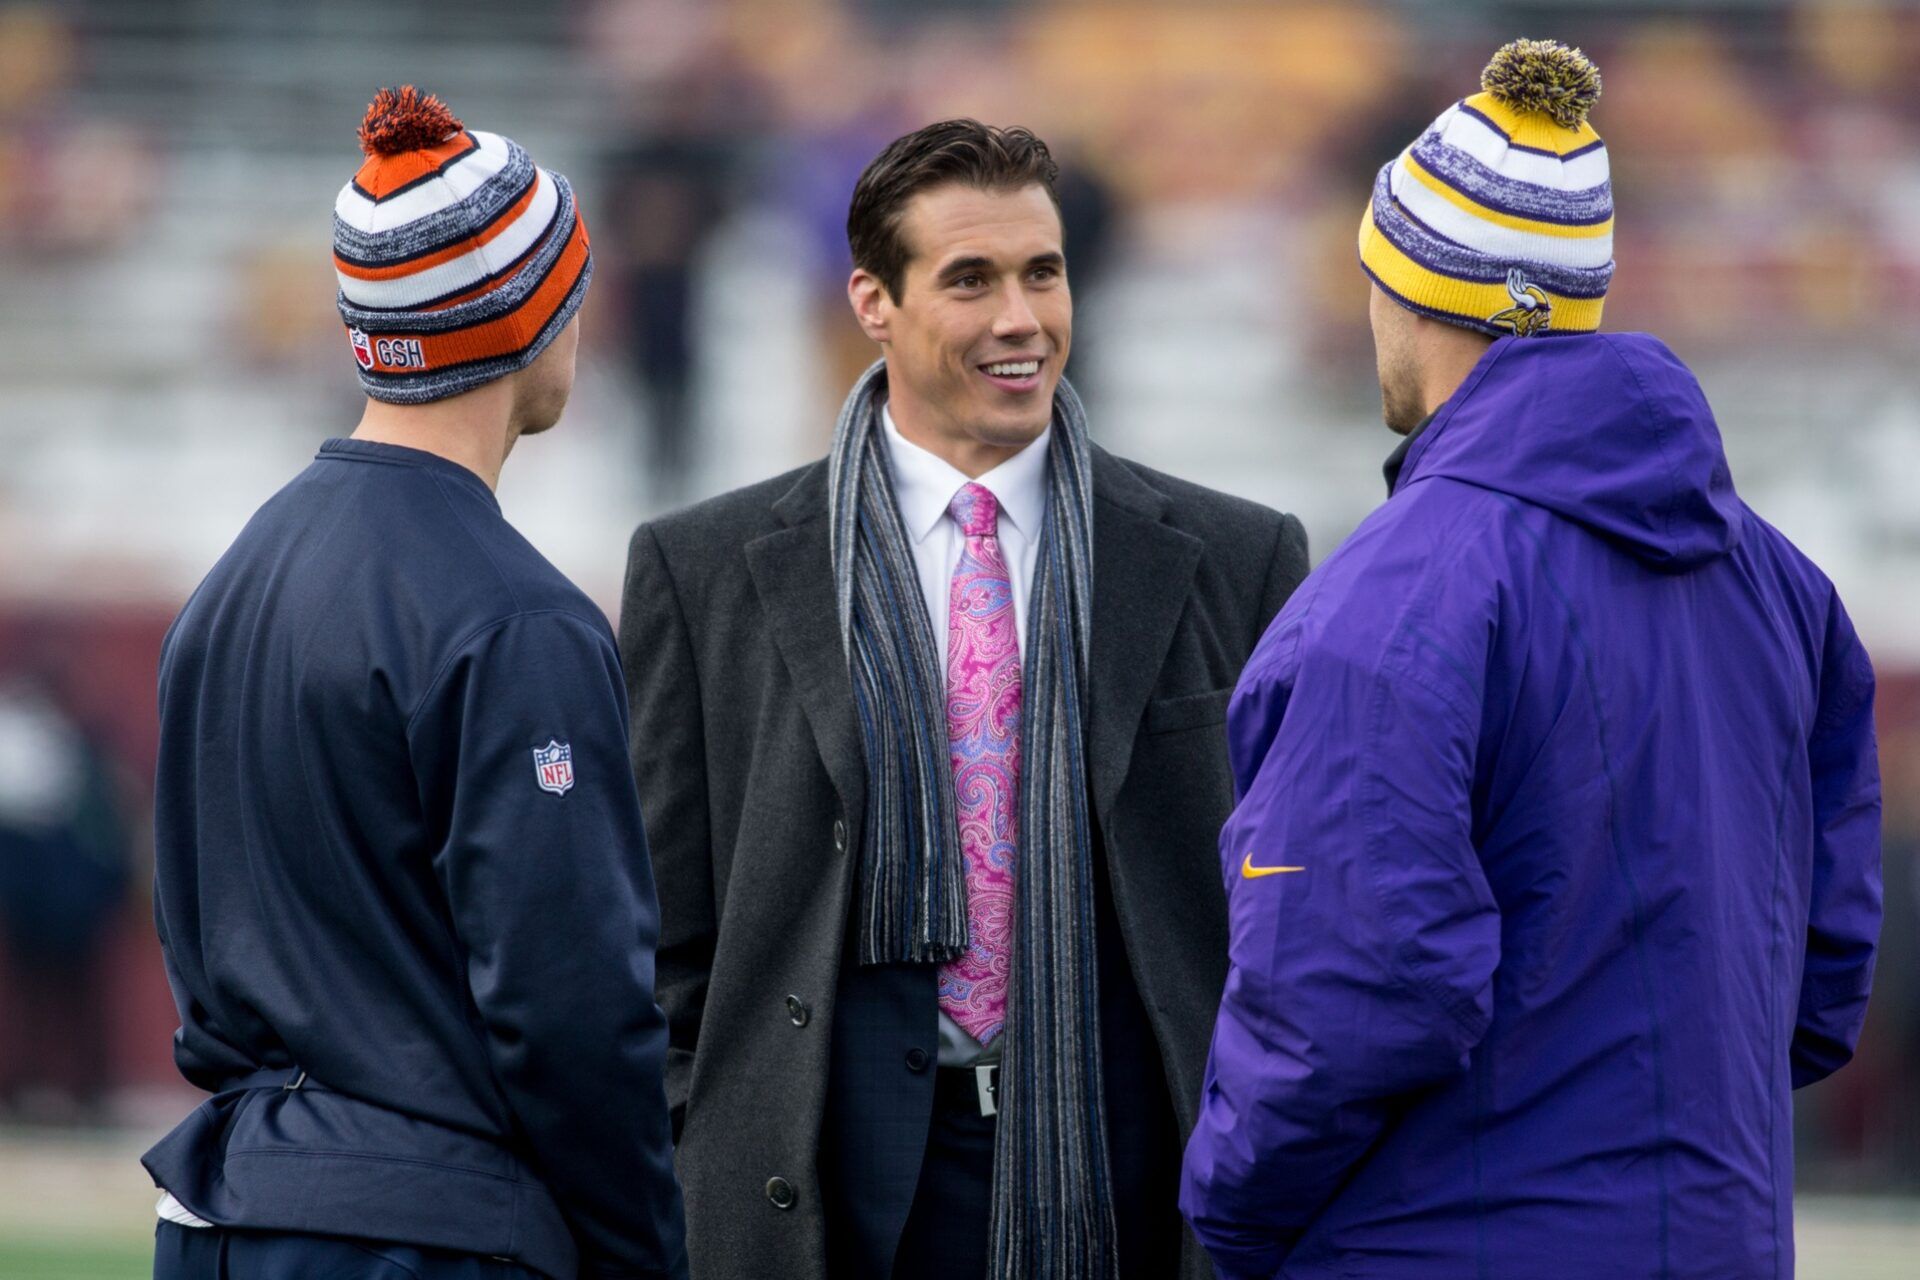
924	483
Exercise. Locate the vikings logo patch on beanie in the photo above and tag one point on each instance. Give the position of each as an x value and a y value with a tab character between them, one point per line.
458	258
1500	216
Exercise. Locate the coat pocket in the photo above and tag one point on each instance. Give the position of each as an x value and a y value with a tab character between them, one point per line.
1187	711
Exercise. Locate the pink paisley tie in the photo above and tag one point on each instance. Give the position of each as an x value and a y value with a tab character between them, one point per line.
983	736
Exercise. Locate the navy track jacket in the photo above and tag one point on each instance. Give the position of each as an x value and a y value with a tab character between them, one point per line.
398	848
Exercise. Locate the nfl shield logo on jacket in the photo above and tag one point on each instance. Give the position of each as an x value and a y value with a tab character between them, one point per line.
553	767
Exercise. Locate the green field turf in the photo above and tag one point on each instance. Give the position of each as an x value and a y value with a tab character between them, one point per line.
74	1260
81	1208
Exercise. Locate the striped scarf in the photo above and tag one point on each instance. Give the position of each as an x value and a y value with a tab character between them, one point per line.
1053	1215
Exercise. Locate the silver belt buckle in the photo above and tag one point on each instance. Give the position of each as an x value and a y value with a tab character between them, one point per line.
986	1080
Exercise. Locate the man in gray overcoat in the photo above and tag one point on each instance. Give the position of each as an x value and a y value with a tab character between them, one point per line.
929	740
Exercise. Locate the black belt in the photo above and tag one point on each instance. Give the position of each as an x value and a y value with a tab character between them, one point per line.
974	1088
288	1078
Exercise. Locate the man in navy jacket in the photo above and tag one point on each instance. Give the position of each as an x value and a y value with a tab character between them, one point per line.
401	880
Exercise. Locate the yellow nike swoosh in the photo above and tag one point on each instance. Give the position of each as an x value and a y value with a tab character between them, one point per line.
1251	872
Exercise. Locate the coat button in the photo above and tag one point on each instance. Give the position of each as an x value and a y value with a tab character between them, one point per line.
916	1059
797	1011
780	1193
839	835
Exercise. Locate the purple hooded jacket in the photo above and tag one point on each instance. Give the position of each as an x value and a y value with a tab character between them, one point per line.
1556	863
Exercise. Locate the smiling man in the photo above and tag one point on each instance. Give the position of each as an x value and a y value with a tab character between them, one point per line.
929	733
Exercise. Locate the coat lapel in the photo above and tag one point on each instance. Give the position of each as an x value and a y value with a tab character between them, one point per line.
1142	575
793	573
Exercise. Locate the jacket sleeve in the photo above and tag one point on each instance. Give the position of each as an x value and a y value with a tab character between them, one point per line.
669	757
1367	973
1843	923
552	903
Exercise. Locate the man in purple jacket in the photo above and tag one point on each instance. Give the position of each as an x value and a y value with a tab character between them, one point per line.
1555	867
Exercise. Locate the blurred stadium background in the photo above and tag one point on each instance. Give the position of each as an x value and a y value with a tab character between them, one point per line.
169	355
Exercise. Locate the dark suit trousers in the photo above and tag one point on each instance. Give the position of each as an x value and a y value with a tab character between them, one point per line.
946	1222
946	1233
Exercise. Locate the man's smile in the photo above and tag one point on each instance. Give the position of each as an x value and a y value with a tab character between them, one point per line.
1017	377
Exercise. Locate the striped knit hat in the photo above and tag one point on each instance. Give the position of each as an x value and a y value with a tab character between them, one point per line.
1500	216
459	258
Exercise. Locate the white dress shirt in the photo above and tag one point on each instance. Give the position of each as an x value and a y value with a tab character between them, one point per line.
173	1211
923	484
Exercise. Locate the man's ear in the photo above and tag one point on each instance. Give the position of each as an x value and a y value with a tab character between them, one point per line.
872	305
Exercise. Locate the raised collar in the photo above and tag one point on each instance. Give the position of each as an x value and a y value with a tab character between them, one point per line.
1397	460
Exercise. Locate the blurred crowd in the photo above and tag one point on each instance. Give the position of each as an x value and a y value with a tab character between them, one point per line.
1768	184
76	184
1767	169
1767	181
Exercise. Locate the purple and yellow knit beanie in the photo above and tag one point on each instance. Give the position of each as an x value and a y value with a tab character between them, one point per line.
1500	216
459	259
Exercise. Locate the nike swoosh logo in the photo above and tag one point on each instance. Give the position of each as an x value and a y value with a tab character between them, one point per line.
1252	872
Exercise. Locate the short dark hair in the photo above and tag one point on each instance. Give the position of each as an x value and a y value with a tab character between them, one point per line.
960	151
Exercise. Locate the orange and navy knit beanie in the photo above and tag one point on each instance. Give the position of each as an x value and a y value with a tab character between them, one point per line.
1500	216
459	258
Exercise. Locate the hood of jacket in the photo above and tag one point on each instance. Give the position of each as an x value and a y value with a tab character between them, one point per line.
1608	430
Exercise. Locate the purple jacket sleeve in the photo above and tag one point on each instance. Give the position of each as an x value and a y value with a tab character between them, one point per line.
1367	972
1843	922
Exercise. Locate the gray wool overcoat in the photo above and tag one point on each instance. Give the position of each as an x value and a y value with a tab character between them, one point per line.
751	777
